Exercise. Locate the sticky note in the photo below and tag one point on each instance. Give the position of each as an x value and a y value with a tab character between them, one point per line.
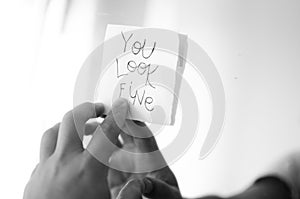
146	75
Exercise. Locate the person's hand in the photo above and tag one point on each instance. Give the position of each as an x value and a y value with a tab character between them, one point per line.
68	171
130	185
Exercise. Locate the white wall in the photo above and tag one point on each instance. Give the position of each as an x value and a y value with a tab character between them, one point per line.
254	44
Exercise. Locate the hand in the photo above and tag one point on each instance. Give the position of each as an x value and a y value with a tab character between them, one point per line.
153	184
66	170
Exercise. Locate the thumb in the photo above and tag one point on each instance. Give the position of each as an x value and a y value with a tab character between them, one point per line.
106	135
160	189
149	187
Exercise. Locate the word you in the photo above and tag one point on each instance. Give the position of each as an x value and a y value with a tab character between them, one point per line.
142	69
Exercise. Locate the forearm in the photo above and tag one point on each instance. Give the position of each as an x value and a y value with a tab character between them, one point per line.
265	188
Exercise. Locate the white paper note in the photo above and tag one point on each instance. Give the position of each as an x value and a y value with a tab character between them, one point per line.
149	77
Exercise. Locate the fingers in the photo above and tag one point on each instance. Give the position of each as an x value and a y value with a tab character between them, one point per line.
149	187
34	170
160	189
146	144
73	124
142	136
115	181
126	139
127	136
133	189
106	135
90	127
48	142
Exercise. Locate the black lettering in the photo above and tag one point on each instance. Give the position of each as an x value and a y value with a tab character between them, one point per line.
131	66
137	46
136	95
148	74
121	88
118	75
143	54
126	41
148	101
142	67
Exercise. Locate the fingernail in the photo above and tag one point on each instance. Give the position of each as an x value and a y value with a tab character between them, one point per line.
99	108
120	106
121	102
148	185
120	110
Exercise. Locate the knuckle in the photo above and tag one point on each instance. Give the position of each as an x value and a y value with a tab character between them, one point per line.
83	105
68	116
87	104
61	158
88	107
47	134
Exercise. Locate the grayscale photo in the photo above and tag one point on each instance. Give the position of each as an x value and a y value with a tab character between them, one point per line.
150	99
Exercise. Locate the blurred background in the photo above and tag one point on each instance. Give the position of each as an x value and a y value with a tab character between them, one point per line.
254	44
